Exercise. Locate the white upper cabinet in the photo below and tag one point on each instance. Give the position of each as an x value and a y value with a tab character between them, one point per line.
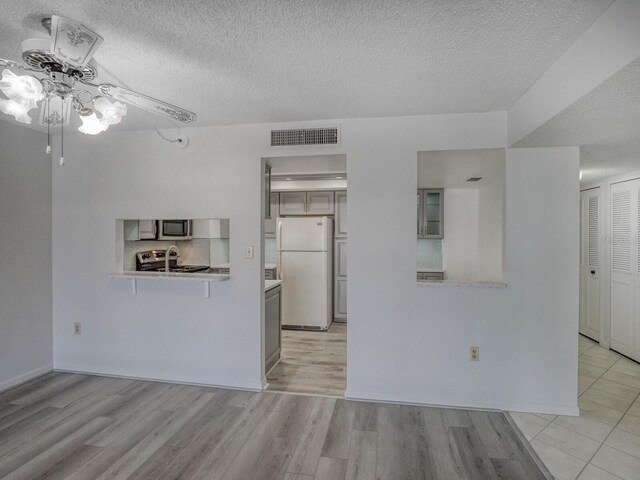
306	203
340	226
270	223
431	213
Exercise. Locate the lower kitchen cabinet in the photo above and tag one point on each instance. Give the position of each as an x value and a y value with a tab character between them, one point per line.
272	327
340	281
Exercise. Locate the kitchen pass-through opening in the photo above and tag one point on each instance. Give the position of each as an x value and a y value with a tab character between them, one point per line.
305	274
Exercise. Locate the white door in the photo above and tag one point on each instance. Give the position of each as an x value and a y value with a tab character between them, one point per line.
625	268
304	289
302	234
590	284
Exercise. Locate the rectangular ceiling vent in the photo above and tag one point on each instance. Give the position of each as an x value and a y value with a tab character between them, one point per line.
473	179
304	136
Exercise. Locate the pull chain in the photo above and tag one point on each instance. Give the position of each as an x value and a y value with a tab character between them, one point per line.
62	134
48	125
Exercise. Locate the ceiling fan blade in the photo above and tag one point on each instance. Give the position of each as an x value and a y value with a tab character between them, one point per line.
72	42
148	103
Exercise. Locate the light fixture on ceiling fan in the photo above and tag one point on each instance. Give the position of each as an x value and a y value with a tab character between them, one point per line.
56	66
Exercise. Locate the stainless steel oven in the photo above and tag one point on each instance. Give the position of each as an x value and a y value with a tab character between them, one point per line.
175	229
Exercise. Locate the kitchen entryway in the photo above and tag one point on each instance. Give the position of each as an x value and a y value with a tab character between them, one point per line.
305	239
312	362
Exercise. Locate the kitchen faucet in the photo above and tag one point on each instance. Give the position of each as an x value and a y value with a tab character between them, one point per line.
166	257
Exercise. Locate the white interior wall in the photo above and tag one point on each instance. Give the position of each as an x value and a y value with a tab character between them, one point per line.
491	233
25	282
407	342
460	243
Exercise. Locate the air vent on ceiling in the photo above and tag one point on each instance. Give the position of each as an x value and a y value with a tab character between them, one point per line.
473	179
304	136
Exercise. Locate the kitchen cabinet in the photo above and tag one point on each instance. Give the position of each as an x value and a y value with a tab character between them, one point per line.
306	203
140	230
431	213
267	190
340	226
270	223
272	327
340	281
211	228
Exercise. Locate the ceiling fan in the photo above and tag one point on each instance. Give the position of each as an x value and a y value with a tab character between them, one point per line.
57	68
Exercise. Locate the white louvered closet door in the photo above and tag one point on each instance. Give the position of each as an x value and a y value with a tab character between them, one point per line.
590	263
625	269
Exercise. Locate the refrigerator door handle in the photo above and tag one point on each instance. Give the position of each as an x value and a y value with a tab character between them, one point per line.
281	269
280	235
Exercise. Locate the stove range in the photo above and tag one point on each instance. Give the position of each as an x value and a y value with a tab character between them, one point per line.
154	261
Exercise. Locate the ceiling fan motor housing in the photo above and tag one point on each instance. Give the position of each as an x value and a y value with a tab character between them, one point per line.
36	54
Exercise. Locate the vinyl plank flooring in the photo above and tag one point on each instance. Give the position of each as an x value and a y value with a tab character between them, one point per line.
151	456
219	459
312	362
446	458
389	452
95	466
338	437
84	427
307	455
366	417
362	456
66	446
65	466
475	460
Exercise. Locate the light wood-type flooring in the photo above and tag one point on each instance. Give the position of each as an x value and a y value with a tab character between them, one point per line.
70	426
312	362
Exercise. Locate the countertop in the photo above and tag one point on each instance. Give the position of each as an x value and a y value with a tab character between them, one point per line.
269	284
203	277
228	265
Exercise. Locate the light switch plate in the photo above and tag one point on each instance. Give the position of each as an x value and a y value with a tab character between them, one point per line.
248	252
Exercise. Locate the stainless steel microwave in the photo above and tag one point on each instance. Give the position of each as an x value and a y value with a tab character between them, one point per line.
175	229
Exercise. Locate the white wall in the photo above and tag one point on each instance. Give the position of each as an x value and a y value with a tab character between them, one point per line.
460	242
491	251
25	236
407	342
410	342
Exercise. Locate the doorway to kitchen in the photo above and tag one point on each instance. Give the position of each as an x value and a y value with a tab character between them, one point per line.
305	274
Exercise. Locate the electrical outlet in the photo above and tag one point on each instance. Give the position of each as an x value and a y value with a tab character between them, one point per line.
474	354
248	252
76	328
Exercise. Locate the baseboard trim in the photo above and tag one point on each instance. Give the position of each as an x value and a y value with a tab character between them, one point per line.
159	380
499	406
25	377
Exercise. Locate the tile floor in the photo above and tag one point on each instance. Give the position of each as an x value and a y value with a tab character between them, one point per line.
603	443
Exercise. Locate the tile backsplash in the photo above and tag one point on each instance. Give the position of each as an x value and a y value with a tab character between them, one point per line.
192	252
270	253
430	253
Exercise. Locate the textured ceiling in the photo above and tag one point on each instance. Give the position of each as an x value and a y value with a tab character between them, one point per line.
245	61
605	123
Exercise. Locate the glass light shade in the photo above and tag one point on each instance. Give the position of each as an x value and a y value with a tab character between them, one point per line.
91	125
22	88
112	112
18	109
